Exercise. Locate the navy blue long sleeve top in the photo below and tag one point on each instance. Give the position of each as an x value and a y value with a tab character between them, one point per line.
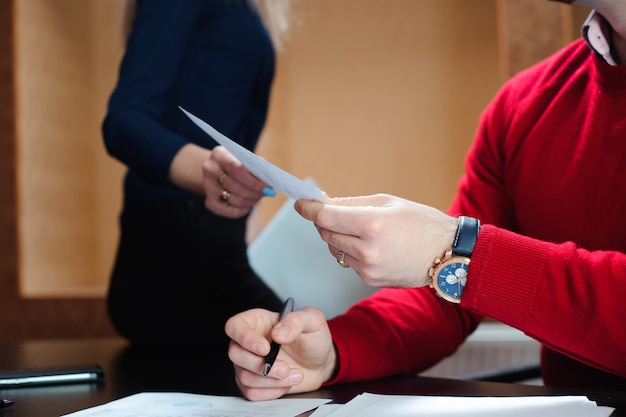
213	58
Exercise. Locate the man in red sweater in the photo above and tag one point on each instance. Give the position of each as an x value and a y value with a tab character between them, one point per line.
540	212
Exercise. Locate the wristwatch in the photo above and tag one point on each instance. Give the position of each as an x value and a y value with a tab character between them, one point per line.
449	273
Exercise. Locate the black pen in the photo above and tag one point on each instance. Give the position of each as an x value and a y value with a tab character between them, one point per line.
275	347
6	403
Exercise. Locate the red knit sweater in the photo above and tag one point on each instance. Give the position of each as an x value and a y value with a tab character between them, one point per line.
547	178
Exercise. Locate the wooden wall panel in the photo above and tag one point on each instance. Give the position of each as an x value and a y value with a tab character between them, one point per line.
68	55
57	134
41	196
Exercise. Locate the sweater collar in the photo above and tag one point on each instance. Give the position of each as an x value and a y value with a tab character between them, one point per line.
597	34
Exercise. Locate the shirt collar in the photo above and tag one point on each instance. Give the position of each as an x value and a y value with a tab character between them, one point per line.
597	33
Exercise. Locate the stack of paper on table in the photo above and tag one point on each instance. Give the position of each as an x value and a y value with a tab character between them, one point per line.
364	405
176	404
375	405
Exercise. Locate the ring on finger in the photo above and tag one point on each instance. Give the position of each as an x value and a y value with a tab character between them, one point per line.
224	196
220	177
340	259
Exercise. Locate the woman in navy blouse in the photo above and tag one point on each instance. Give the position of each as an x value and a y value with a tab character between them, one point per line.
181	268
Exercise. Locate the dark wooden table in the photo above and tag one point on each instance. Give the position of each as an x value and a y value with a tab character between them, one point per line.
129	371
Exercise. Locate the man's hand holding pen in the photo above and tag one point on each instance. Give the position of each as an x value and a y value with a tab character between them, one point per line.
307	356
270	358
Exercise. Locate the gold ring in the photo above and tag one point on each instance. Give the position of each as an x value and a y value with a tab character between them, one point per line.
340	255
220	177
224	196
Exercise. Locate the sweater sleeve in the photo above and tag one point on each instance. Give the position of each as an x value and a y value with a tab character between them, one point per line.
133	129
398	331
567	298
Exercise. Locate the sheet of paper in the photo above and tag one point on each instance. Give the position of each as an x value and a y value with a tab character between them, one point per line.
173	404
270	174
375	405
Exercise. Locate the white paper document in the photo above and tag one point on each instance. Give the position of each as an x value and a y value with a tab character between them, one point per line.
270	174
375	405
176	404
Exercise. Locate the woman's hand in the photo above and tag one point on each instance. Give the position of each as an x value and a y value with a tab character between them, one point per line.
230	189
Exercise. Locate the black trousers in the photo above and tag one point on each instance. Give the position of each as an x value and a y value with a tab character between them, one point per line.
180	273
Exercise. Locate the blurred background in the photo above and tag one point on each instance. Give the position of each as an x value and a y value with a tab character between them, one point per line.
370	96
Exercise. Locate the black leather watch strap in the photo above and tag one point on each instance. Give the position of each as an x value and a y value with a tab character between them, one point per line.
466	235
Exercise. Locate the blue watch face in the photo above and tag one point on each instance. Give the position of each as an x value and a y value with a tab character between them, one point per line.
451	279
